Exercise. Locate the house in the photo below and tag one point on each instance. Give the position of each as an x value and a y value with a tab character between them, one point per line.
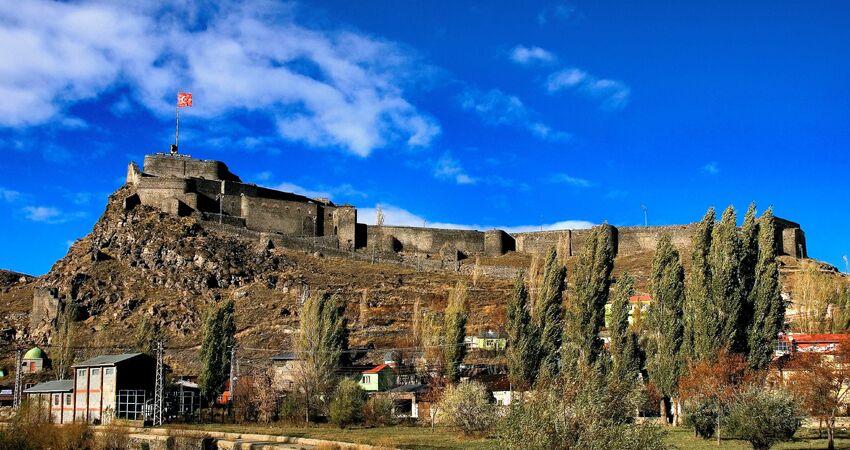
489	340
285	370
407	400
378	378
34	361
113	385
498	386
639	305
56	397
186	398
809	343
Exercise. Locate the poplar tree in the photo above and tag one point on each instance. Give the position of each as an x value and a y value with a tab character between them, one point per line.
699	313
625	352
749	258
218	339
726	289
768	306
549	316
322	339
454	331
586	313
664	323
522	350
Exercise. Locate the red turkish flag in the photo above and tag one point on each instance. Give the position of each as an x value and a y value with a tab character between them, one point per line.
184	99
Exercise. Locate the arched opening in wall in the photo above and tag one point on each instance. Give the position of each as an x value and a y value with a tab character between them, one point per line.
335	230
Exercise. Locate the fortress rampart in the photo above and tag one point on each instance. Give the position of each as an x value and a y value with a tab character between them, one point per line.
185	186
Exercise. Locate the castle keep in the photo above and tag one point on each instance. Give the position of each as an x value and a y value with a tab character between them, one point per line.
207	189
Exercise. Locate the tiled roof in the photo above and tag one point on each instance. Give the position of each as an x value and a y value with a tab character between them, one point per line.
52	386
107	360
376	369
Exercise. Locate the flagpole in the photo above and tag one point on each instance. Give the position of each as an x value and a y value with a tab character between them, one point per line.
177	128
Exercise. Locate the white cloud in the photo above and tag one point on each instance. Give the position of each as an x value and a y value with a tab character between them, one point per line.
563	178
345	190
560	11
290	187
393	215
711	168
531	55
496	108
9	195
449	168
611	94
323	88
42	213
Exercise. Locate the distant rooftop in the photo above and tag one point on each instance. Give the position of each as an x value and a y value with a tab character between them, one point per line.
51	386
107	360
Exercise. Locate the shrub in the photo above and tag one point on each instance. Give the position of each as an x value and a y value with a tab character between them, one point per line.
702	417
467	407
378	411
290	410
346	408
764	417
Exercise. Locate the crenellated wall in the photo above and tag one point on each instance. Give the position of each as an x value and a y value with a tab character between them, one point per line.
183	186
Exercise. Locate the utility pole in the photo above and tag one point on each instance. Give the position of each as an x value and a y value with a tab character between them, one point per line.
158	387
19	360
232	376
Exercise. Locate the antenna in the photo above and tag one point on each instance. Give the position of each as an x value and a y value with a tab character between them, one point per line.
16	399
645	216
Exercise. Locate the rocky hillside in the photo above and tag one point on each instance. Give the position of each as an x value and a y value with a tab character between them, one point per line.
145	264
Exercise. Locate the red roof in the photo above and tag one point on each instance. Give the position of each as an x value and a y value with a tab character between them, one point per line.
377	369
643	298
823	338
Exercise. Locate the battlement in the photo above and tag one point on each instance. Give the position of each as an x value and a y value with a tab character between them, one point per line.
185	186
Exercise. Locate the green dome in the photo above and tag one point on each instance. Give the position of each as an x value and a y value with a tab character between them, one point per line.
34	353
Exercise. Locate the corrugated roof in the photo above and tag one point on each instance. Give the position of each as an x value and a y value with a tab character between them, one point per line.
818	338
52	386
107	360
376	369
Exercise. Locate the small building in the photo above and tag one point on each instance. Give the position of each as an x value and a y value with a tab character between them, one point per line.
285	370
108	385
639	305
56	397
498	386
186	398
406	399
378	378
34	361
489	340
810	343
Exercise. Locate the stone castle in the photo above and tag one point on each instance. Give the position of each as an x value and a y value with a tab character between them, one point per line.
181	185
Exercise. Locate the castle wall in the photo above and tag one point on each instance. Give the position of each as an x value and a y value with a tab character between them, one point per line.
344	221
633	240
170	166
540	242
279	216
497	242
428	240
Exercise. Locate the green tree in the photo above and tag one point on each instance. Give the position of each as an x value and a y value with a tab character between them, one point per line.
726	289
321	341
63	341
522	351
768	315
346	408
664	324
218	339
549	315
586	313
625	352
763	417
699	312
454	331
148	333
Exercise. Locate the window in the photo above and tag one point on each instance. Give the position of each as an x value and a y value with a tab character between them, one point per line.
81	373
56	399
130	404
67	399
95	372
108	371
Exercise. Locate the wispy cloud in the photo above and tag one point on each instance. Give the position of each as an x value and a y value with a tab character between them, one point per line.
393	215
562	178
531	55
561	11
50	215
325	88
449	168
9	195
496	108
611	94
329	192
711	168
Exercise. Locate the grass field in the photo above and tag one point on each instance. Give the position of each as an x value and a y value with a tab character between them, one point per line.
414	437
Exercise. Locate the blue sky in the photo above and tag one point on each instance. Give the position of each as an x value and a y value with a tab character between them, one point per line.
523	115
